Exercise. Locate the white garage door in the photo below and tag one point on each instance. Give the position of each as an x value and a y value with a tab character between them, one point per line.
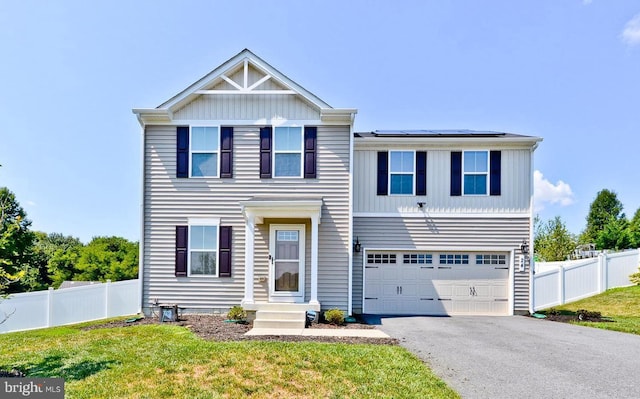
436	283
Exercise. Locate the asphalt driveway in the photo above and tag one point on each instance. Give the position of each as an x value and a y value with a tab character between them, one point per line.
522	357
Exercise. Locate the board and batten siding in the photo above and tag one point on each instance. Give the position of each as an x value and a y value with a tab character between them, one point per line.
169	201
515	178
434	234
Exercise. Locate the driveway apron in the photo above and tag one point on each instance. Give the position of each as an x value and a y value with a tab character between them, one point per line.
522	357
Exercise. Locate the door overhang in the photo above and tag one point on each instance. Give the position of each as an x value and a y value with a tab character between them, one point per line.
286	208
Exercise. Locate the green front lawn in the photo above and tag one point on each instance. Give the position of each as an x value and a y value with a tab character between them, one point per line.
159	361
619	305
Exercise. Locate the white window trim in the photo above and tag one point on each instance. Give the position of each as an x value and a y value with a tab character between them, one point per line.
274	152
487	173
204	222
413	174
217	152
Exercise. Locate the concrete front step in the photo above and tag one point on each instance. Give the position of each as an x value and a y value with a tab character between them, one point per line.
280	315
278	324
301	307
279	318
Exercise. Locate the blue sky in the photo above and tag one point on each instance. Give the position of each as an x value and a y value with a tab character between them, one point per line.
568	71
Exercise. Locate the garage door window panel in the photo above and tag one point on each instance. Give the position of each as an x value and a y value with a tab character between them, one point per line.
492	259
418	259
454	259
381	258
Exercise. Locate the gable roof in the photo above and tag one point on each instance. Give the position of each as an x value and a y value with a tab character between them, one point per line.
219	81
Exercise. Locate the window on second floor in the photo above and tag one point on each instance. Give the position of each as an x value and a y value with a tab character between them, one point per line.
476	172
401	172
287	151
204	151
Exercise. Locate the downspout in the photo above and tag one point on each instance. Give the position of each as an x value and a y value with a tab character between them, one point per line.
350	239
531	247
141	245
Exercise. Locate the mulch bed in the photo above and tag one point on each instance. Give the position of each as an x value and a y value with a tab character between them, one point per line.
565	318
215	328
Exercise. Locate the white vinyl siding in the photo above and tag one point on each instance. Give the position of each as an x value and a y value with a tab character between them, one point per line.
515	179
169	202
455	234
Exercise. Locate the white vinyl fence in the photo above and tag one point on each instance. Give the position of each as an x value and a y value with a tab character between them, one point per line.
557	283
40	309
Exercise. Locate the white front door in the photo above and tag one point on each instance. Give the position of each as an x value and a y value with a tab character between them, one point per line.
286	266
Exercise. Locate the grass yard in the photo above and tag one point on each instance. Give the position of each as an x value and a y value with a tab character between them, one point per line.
159	361
621	305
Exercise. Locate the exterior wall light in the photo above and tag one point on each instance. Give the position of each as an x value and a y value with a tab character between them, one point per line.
357	246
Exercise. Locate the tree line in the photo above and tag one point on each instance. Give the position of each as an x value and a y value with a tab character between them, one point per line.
33	260
607	228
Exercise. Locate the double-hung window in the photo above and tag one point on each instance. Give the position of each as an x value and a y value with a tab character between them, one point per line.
204	151
401	172
203	249
287	151
476	172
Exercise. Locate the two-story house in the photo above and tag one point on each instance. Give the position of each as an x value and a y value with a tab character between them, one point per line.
257	192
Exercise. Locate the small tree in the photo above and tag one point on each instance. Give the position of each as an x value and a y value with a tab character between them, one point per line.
614	235
552	240
107	258
15	239
604	209
634	230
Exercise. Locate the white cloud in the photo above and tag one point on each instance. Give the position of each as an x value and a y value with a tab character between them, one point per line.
631	32
31	203
545	192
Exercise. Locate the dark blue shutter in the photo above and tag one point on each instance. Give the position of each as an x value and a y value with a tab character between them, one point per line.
226	152
421	173
310	140
456	173
495	163
265	152
182	235
182	153
225	251
383	173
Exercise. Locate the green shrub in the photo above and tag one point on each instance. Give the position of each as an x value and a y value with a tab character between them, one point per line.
334	316
635	278
237	313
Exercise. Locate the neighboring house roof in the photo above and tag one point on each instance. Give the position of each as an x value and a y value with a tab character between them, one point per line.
71	284
218	82
445	136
